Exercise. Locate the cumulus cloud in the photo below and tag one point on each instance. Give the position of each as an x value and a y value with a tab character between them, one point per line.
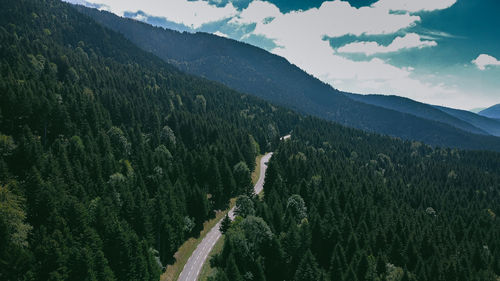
409	41
257	12
189	13
300	37
484	60
414	5
333	19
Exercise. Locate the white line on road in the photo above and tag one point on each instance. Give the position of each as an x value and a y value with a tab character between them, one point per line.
194	262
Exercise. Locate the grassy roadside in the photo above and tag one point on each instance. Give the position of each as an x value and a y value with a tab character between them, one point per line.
186	250
256	172
207	270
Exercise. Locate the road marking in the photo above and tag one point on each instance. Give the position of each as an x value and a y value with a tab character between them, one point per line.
214	234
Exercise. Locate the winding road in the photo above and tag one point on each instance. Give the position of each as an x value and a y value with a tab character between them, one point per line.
192	269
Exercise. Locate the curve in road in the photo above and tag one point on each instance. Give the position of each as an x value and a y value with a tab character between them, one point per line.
192	269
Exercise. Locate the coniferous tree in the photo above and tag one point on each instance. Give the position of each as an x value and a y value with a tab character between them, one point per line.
308	269
225	224
232	270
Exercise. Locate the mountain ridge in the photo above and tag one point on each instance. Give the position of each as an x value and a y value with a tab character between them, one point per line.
418	109
491	112
252	70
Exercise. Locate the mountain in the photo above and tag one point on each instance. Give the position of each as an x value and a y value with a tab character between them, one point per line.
490	125
491	112
461	119
110	159
419	109
254	71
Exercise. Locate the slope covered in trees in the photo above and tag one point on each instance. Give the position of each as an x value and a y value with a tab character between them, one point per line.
423	110
462	119
342	205
490	125
109	157
255	71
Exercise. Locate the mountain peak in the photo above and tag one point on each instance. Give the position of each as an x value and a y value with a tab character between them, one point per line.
491	112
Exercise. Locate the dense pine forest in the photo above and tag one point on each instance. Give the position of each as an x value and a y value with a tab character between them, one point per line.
340	205
110	159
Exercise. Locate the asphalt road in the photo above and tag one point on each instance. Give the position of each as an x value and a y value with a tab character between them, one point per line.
192	269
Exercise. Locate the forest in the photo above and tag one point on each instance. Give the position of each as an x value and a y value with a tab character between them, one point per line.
341	205
111	158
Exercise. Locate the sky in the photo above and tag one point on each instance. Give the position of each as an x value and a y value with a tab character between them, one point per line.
442	52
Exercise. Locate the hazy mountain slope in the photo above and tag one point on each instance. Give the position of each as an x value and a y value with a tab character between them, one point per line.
490	125
252	70
491	112
419	109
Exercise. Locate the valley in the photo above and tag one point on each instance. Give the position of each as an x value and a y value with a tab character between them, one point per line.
120	144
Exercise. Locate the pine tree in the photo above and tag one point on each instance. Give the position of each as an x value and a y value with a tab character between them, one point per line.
362	269
219	276
232	269
308	269
225	224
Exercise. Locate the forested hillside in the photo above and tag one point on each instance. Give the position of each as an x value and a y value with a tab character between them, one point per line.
490	125
340	205
109	157
423	110
255	71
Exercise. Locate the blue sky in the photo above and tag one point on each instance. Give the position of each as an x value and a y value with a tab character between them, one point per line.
443	52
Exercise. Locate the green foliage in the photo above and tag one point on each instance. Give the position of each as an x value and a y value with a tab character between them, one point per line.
296	207
308	269
7	145
244	206
109	158
392	212
107	165
13	216
168	135
225	224
200	104
243	178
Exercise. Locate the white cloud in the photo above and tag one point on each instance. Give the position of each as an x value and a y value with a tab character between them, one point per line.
141	17
220	34
483	60
256	12
189	13
409	41
333	19
300	37
414	5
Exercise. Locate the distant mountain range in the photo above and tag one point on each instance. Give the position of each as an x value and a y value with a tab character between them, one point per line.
255	71
462	119
491	112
